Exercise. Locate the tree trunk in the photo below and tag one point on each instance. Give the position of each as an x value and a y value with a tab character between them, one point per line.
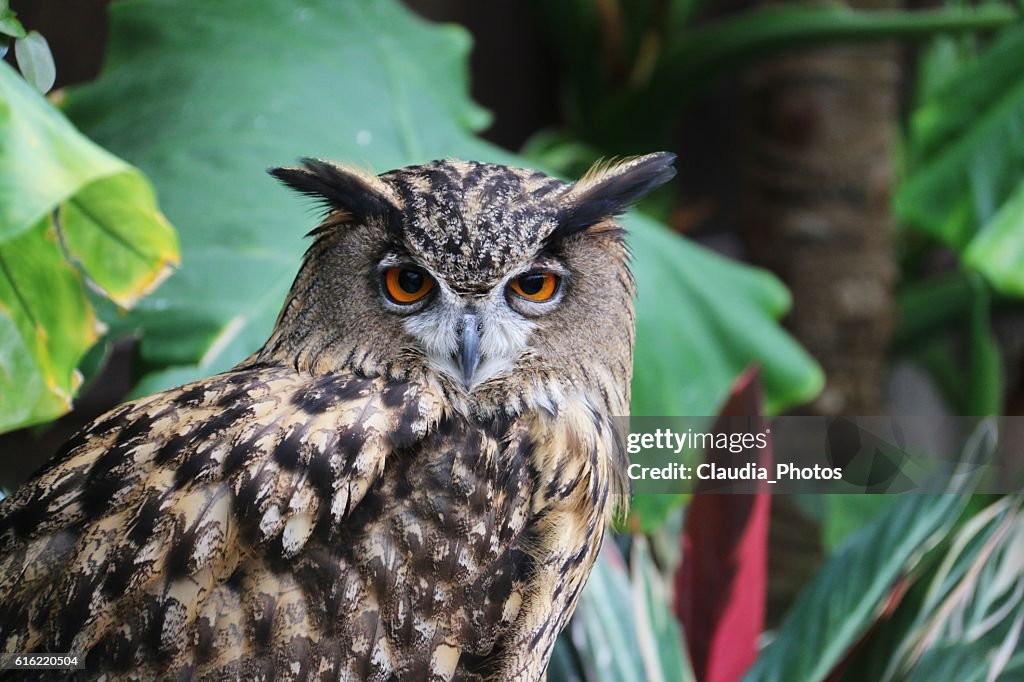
818	154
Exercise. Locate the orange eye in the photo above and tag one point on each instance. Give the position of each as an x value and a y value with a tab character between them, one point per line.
536	286
407	285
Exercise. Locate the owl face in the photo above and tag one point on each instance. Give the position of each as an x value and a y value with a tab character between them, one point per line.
472	274
470	337
480	273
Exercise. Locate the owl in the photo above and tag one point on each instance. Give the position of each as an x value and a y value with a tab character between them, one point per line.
410	480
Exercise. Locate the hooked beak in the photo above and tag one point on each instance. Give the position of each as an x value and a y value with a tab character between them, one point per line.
469	345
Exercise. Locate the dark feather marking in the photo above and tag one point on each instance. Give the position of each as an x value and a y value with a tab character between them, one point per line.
156	615
134	429
404	434
23	520
287	451
476	173
222	421
101	428
319	474
193	396
578	558
313	401
382	577
236	581
575	592
246	508
116	580
318	572
349	444
263	621
366	512
394	394
180	555
446	426
73	611
170	449
145	521
405	191
537	637
349	359
239	453
236	458
100	488
341	190
611	196
547	188
496	427
239	393
192	468
113	653
499	185
519	458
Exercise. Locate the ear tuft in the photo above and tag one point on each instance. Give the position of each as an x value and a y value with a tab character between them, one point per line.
341	189
608	189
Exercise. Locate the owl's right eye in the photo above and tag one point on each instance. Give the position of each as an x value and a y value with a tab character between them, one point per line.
405	285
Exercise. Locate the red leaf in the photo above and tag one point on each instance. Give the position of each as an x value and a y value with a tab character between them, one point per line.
722	582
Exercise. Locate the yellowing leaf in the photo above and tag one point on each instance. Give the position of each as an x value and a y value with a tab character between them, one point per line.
46	326
70	212
126	246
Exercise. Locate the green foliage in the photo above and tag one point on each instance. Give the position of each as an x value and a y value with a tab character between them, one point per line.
31	51
71	216
633	69
969	625
844	599
191	94
966	159
35	61
703	319
624	629
998	249
366	83
9	24
46	326
962	188
846	514
933	585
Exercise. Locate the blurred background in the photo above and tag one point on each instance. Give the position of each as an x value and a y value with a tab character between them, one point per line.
845	237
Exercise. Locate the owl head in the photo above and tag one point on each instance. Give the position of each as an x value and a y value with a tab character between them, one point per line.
489	279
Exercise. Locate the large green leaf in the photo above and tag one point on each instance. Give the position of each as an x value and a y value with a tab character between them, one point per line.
998	250
702	320
203	110
70	213
966	153
46	325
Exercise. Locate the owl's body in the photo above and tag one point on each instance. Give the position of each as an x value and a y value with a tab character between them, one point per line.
411	479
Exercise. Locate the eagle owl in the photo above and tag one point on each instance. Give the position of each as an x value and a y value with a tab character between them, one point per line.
409	481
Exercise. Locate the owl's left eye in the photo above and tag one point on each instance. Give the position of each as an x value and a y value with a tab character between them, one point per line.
536	286
407	285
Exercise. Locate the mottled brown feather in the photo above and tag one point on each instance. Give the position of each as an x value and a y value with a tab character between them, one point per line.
335	507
